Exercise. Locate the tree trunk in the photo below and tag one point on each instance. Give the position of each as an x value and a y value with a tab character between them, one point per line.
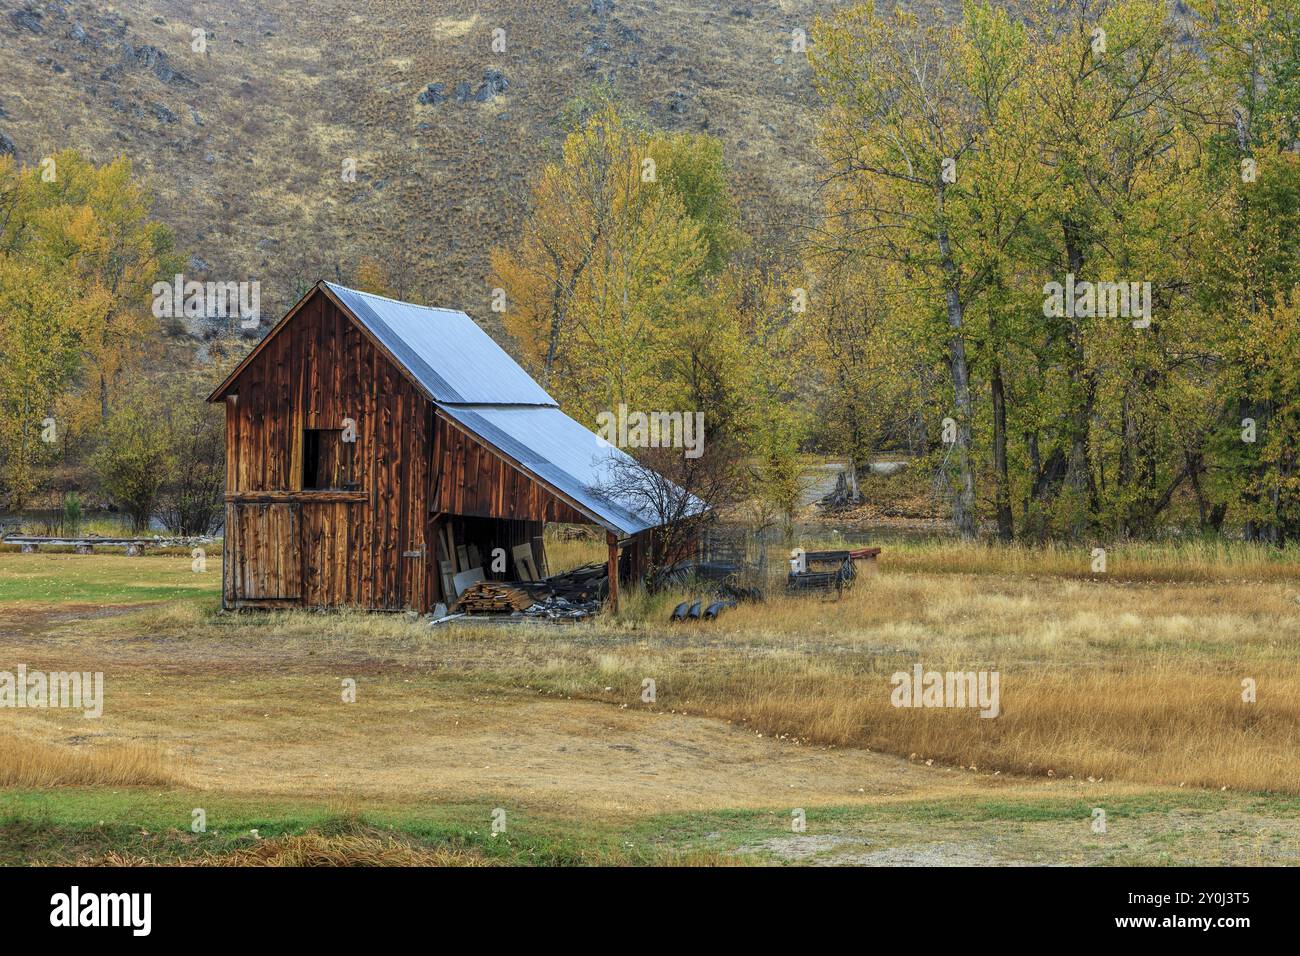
963	501
1002	492
1195	465
850	475
1078	474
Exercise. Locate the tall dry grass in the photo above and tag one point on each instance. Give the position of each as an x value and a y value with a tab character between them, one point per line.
1192	560
563	554
1137	680
34	764
1165	725
1135	674
315	849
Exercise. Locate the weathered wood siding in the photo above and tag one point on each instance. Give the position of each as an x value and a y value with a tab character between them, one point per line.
266	567
325	538
348	548
472	478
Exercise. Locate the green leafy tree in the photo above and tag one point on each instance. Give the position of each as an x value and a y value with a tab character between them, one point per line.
135	458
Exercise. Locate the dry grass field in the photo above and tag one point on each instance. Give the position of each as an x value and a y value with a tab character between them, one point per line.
1120	692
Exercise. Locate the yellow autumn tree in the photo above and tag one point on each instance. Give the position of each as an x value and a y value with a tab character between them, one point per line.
94	221
78	256
625	288
607	265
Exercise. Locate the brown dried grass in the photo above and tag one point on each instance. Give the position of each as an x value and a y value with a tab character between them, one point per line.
35	764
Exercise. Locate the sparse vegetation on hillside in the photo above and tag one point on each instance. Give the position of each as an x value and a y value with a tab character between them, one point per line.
245	141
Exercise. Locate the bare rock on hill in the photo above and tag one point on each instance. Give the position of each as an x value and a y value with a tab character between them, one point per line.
494	82
433	94
163	113
151	58
27	19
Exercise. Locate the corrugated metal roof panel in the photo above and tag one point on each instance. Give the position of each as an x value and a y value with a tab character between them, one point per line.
475	382
455	360
562	453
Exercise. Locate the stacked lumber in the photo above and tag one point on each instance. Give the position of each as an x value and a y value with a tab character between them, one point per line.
492	597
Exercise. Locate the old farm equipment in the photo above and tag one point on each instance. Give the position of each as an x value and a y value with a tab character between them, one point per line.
827	572
730	566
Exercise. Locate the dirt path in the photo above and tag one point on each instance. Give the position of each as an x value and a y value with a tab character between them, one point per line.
556	753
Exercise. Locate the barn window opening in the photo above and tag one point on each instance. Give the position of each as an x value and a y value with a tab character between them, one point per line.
326	460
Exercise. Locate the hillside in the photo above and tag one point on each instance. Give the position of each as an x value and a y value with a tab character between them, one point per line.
244	144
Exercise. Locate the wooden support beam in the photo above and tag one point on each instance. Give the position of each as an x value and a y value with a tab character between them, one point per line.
612	540
291	497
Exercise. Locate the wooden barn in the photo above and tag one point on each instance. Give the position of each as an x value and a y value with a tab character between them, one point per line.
375	449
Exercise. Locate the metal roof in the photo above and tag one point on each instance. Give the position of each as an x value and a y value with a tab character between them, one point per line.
562	453
455	360
475	382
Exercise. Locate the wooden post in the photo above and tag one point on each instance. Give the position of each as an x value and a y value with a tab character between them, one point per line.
612	540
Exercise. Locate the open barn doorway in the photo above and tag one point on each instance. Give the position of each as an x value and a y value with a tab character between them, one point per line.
467	549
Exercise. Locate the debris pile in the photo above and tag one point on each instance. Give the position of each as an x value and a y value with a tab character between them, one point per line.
828	571
573	595
587	582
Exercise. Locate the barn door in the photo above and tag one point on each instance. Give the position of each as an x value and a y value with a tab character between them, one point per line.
325	554
267	566
413	518
414	556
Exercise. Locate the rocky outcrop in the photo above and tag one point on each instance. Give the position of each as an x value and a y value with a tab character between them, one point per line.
27	19
494	83
151	58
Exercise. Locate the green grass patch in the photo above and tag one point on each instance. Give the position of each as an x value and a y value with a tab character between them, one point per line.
79	825
104	579
67	826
